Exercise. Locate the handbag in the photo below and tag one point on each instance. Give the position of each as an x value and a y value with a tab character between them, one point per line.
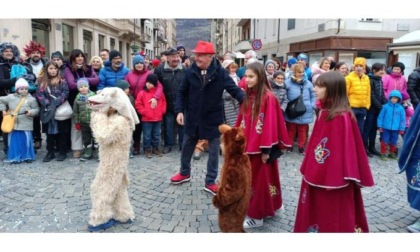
296	107
62	112
8	123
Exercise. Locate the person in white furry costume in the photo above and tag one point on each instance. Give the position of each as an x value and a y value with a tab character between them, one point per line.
113	122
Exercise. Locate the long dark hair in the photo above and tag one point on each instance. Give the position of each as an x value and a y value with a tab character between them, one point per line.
259	89
46	79
336	100
72	60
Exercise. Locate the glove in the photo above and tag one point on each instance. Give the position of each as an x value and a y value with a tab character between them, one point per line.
77	126
401	132
29	77
381	130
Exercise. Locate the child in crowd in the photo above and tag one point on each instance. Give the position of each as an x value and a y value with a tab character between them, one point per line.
280	89
24	107
335	167
51	93
125	86
151	119
261	118
81	115
391	122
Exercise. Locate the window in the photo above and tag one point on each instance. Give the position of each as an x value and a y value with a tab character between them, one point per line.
87	43
40	33
101	42
112	44
68	40
291	22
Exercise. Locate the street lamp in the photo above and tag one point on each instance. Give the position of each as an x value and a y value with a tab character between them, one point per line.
134	47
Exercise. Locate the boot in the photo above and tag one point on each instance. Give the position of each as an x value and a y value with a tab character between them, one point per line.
373	151
383	151
367	150
136	148
87	154
148	153
50	156
62	156
157	152
392	154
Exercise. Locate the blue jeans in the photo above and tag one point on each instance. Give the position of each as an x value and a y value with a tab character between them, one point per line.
151	134
188	147
169	126
390	137
360	114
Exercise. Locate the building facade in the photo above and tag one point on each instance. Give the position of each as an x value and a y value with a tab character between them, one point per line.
90	35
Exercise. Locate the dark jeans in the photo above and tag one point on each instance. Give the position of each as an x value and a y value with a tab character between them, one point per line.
151	135
170	124
187	151
360	114
37	129
370	128
137	131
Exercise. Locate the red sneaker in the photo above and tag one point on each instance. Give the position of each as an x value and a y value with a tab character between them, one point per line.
211	188
178	179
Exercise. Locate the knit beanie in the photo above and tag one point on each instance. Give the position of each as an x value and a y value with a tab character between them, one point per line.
268	63
82	82
153	79
113	54
180	47
138	59
122	84
21	82
57	54
291	62
360	61
400	65
303	56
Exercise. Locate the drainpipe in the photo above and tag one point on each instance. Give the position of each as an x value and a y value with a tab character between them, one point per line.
339	22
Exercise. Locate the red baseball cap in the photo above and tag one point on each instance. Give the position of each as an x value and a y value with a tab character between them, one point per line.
204	47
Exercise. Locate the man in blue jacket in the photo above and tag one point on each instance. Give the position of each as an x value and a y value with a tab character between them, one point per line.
113	71
200	98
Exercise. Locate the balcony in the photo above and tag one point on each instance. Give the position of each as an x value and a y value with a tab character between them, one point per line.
145	38
243	46
156	25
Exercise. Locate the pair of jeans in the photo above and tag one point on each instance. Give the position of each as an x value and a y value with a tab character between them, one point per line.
360	114
188	147
370	128
390	137
151	135
169	126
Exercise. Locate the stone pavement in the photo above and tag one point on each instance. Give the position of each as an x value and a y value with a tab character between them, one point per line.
54	197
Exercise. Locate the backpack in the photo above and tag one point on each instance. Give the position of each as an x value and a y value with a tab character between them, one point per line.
18	71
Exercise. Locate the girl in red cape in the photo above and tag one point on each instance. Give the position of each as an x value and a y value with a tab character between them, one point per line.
261	118
335	166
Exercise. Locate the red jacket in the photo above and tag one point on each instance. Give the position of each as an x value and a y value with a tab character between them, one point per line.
142	105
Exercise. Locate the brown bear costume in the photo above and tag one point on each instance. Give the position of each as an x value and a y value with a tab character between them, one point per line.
232	198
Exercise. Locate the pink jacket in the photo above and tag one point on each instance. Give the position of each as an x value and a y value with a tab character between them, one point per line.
395	82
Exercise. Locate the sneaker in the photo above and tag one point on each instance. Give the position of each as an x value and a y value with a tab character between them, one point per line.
414	228
178	179
211	188
253	223
392	156
131	155
383	157
87	155
103	226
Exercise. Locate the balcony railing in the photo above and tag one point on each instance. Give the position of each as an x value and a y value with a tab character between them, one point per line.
146	38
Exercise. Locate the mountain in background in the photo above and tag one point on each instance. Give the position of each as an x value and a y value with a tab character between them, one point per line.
190	31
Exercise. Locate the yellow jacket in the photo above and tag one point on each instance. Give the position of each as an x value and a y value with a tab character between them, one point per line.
358	90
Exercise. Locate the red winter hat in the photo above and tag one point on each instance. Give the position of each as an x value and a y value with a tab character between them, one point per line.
204	47
155	62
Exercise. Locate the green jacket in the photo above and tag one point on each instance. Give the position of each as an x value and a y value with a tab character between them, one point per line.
81	112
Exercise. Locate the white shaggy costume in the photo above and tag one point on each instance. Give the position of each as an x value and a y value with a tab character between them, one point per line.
113	121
